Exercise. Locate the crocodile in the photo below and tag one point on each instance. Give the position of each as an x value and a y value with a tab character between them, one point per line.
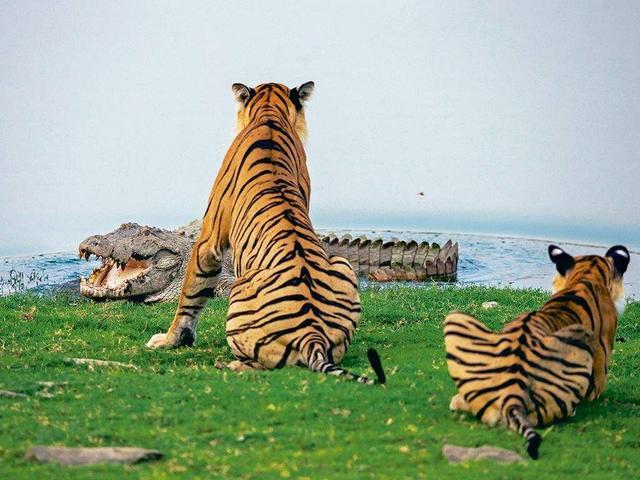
148	264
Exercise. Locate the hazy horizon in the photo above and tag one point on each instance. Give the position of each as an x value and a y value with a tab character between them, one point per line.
557	232
512	118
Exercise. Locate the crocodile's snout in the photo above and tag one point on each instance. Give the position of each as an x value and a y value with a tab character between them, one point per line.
96	245
137	263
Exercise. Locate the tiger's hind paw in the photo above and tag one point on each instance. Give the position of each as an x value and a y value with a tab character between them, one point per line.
458	403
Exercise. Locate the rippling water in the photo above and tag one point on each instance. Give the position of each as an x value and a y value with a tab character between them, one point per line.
486	260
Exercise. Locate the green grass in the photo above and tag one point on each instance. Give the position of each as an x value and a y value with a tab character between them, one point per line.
292	422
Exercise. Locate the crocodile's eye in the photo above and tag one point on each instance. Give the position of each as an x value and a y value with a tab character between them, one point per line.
166	259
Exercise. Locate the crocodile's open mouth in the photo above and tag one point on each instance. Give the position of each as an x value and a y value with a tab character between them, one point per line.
112	277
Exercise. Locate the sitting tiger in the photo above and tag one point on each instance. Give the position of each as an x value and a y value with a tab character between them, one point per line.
542	364
290	304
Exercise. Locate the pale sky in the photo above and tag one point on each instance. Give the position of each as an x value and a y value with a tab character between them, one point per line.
520	113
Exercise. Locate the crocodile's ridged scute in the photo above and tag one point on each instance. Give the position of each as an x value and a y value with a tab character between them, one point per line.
393	260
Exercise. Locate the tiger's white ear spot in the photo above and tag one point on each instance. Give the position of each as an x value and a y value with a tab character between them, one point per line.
556	251
621	258
622	253
563	261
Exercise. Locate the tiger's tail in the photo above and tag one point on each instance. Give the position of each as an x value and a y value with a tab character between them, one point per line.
320	363
519	422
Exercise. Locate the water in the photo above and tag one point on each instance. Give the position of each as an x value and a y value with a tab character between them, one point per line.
485	260
52	269
508	261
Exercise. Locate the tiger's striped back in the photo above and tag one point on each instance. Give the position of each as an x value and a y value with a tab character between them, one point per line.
542	364
290	304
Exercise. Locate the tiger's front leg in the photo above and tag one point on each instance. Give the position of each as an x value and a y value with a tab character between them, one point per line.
199	284
599	381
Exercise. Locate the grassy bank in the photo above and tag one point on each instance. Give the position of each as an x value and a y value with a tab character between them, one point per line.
287	423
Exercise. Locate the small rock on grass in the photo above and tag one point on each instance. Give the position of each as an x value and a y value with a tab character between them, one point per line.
9	394
88	456
489	305
457	454
92	362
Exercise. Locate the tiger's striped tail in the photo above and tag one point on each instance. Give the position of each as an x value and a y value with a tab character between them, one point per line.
320	363
519	422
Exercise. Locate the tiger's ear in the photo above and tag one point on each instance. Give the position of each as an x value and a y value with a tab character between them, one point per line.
305	91
564	262
241	92
300	95
620	256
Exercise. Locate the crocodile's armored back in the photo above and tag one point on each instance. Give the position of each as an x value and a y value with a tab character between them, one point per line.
158	266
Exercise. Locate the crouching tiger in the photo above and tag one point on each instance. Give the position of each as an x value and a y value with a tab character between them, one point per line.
542	364
290	304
